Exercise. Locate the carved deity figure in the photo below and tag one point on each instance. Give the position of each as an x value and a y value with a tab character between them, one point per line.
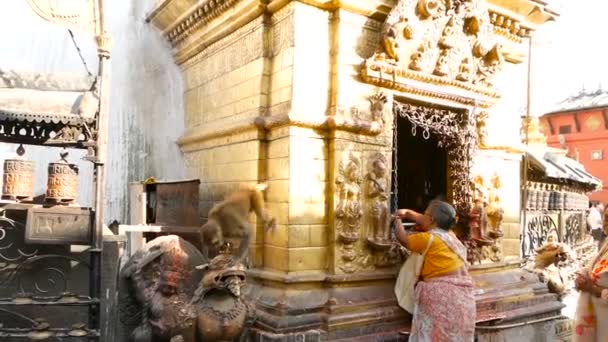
220	312
173	295
391	45
158	278
482	130
464	71
495	210
442	67
377	103
479	219
447	35
377	192
349	211
452	39
489	64
485	244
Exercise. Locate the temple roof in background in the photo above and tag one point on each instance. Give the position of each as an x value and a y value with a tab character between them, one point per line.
583	100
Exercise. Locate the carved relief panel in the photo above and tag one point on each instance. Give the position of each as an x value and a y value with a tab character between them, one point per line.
381	242
447	42
486	220
348	211
362	213
378	193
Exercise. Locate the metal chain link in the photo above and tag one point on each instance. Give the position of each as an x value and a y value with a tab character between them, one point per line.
395	164
84	62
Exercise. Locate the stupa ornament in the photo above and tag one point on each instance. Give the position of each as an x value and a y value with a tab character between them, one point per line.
441	42
531	132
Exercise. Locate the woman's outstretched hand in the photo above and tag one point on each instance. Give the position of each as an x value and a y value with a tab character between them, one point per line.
582	282
400	213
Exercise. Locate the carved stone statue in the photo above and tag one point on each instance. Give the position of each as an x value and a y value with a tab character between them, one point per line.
220	313
158	282
172	295
377	192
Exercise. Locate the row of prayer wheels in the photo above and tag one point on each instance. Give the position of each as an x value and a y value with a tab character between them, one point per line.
552	197
19	175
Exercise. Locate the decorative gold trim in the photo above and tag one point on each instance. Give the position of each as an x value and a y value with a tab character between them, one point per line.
337	123
205	37
214	47
199	16
212	131
508	26
299	277
384	76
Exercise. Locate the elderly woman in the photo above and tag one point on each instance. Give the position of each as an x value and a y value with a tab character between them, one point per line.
445	305
592	306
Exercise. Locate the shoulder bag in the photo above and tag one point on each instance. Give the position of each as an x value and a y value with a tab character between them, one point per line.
405	286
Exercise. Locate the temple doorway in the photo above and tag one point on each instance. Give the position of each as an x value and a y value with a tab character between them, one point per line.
422	167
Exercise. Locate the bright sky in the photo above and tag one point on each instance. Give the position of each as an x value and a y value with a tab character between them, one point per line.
571	53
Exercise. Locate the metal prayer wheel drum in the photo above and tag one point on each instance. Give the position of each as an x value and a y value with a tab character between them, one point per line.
18	179
62	182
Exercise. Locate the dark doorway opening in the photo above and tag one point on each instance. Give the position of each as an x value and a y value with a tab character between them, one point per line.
421	168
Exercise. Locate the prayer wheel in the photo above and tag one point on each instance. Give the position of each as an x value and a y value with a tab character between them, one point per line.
62	181
18	177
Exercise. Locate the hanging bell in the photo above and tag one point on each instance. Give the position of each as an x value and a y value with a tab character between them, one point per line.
62	181
18	178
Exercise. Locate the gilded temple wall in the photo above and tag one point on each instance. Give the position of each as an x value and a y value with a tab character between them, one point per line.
224	87
300	244
304	62
251	73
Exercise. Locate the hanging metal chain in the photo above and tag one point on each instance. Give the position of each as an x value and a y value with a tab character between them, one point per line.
86	67
395	203
454	131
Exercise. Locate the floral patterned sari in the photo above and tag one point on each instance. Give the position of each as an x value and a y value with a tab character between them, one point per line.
590	320
445	305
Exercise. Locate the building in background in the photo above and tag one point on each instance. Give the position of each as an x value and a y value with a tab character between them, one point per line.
580	125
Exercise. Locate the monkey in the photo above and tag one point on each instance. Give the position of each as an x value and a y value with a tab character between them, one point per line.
229	218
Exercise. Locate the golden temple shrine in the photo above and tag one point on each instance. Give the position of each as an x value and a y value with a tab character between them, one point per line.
347	110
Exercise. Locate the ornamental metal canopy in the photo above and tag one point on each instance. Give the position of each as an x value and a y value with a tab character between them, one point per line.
559	167
47	109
